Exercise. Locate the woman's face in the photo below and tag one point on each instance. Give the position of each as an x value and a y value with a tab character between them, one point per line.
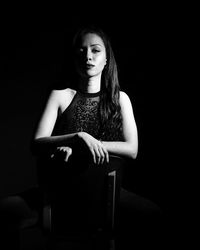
91	55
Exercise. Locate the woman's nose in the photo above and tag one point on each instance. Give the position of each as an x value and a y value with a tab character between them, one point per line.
89	55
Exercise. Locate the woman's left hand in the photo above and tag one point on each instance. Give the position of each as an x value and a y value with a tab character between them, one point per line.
95	147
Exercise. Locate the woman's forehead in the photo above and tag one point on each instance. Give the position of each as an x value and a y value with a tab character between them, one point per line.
92	39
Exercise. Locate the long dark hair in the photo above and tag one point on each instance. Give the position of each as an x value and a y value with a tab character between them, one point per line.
109	109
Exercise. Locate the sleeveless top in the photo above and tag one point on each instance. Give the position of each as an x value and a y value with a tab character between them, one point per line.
82	114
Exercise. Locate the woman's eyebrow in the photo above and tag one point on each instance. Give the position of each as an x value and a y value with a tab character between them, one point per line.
93	45
96	44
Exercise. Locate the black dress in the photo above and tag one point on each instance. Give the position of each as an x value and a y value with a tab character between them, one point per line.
83	115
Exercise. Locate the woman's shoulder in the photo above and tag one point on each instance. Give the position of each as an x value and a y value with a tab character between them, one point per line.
123	96
61	94
64	97
66	91
125	100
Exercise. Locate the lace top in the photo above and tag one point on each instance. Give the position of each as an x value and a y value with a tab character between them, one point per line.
83	115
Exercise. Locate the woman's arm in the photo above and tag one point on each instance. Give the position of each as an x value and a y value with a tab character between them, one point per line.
129	147
43	141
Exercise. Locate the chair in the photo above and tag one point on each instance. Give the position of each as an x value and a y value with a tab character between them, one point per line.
80	201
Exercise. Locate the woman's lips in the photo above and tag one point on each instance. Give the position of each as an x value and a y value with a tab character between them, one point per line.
89	66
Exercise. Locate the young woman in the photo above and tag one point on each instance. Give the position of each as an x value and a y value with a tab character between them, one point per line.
96	112
95	115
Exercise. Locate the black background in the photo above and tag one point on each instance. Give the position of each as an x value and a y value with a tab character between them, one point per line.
34	45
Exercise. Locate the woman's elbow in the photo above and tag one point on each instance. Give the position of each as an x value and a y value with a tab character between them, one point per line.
133	152
134	155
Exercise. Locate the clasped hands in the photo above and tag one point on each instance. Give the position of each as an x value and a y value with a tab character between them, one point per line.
95	148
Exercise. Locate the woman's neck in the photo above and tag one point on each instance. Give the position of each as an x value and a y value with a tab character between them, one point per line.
90	85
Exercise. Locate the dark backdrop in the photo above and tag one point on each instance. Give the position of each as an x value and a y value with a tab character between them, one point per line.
33	52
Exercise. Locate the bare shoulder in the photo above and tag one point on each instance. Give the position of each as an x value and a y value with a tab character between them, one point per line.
64	97
124	98
125	103
68	92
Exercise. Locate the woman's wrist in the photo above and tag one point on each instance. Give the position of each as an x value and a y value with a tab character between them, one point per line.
79	134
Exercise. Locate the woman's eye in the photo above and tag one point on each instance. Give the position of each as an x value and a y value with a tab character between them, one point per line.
95	50
82	51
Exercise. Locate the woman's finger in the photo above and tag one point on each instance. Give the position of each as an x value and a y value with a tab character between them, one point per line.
93	155
102	155
106	154
99	154
68	152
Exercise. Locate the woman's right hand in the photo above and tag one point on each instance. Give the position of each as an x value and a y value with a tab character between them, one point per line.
95	147
63	153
